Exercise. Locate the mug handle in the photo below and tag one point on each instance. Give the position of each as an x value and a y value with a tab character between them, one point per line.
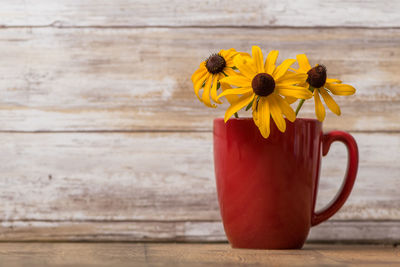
350	177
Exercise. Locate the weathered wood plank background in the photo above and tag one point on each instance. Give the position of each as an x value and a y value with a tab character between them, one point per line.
102	138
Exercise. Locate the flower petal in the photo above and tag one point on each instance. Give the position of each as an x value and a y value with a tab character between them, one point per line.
282	68
229	63
245	69
276	113
205	98
254	108
340	89
217	77
319	108
285	108
304	65
258	58
199	84
261	116
199	72
333	81
229	72
236	91
245	54
290	99
291	78
271	61
294	91
332	105
237	80
243	101
227	53
231	98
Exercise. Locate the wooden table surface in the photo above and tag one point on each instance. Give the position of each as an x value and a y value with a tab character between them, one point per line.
172	254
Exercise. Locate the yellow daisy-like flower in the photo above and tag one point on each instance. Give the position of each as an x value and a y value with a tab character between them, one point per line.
321	85
263	85
210	72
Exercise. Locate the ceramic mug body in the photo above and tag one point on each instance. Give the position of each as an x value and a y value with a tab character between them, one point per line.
267	188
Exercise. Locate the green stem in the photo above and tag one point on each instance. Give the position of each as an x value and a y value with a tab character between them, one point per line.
299	106
236	115
303	100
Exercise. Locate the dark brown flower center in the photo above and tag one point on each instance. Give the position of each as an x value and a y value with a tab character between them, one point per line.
263	84
215	64
317	76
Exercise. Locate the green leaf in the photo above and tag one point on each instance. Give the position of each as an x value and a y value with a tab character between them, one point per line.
249	105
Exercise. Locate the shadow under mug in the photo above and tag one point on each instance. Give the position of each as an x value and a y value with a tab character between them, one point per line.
267	188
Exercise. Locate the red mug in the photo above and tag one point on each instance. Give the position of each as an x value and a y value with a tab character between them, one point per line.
267	188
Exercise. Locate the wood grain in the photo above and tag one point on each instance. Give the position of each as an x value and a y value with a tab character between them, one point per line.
102	138
162	177
161	254
259	13
184	231
139	79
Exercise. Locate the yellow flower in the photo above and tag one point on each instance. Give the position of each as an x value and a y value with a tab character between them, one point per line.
216	67
321	85
263	85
